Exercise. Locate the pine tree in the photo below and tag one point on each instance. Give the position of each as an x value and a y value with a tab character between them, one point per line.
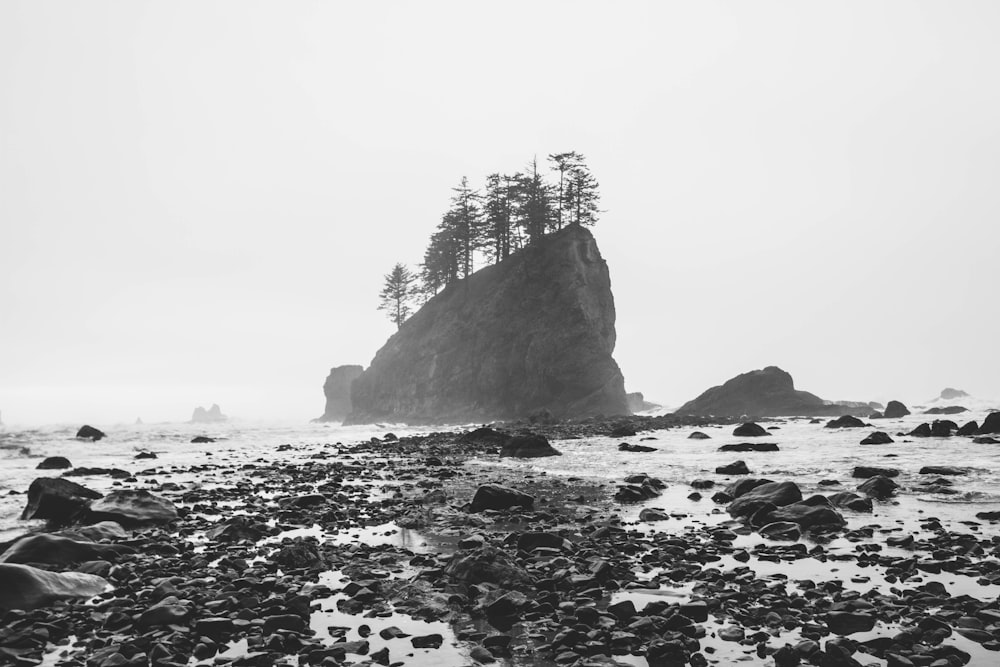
535	207
468	224
582	196
397	294
497	214
563	163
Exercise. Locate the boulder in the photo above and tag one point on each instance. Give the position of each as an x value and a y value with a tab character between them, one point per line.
24	587
985	440
54	463
639	487
777	494
768	392
735	468
103	530
237	529
805	516
534	332
114	473
132	508
968	429
55	550
879	486
943	470
698	435
942	428
337	390
627	447
201	440
851	501
781	530
947	410
849	622
88	432
864	472
651	514
750	447
991	424
847	421
540	540
486	565
922	431
744	486
749	430
528	446
58	501
484	436
895	410
622	431
877	438
496	497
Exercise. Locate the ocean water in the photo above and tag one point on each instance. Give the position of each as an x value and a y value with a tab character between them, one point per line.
808	454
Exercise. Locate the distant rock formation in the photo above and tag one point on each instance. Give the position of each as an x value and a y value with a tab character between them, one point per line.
533	333
769	392
337	389
637	402
88	432
949	394
212	415
895	410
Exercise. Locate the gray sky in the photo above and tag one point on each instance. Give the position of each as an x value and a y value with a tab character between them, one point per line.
198	200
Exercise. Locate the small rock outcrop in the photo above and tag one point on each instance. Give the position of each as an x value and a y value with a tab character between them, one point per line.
638	403
947	410
337	390
895	410
88	432
991	424
950	394
54	463
877	438
769	392
58	501
847	421
750	430
532	333
211	416
496	497
133	508
528	447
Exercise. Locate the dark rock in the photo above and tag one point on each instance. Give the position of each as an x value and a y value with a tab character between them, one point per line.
427	641
991	424
922	431
805	515
115	473
495	497
750	447
851	501
749	430
777	494
879	486
985	440
58	501
528	446
988	516
769	392
970	428
639	487
698	435
735	468
88	432
535	331
863	472
531	541
145	455
781	530
622	431
292	622
24	587
337	390
202	439
877	438
743	486
847	622
237	529
942	428
895	410
210	416
484	436
133	508
487	565
55	550
943	470
54	463
650	514
947	410
847	421
626	447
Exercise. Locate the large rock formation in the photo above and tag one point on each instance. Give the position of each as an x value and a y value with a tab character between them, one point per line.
337	389
532	333
769	392
212	415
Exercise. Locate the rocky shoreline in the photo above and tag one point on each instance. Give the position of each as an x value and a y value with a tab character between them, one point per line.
370	554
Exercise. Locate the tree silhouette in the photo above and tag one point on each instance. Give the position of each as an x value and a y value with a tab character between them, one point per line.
582	196
397	294
563	163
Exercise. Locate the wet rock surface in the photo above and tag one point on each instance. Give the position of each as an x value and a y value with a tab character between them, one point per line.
300	559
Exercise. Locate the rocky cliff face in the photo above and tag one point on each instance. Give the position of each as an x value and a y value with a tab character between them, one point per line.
337	389
535	332
769	392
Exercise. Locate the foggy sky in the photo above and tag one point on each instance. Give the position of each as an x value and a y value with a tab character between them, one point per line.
198	200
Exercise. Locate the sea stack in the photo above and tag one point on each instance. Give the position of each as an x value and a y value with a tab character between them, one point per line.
534	332
768	392
210	416
337	390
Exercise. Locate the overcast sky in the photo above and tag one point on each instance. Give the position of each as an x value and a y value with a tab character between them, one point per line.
198	200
